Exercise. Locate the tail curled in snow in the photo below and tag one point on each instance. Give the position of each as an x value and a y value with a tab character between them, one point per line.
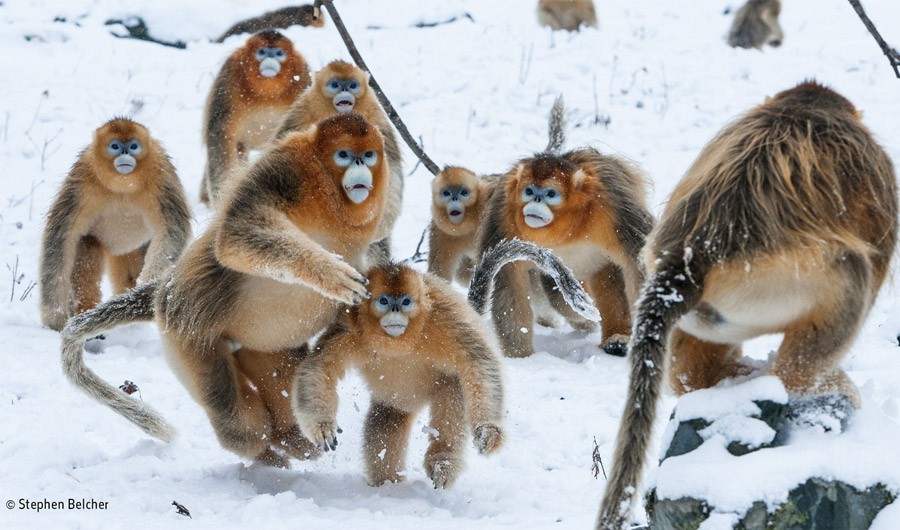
556	127
134	306
669	294
510	250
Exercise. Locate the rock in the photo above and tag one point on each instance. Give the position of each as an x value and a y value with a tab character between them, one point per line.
816	504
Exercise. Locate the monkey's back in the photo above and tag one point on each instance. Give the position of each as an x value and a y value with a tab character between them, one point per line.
796	171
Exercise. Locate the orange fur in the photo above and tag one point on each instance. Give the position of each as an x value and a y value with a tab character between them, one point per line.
244	107
120	213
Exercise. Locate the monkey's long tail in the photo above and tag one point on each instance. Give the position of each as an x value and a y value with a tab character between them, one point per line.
556	126
670	293
510	250
134	306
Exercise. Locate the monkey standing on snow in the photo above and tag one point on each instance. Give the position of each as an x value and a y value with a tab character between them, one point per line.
785	223
417	343
278	261
255	86
122	202
569	15
755	24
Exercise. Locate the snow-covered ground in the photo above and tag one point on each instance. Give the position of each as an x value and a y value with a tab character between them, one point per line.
654	83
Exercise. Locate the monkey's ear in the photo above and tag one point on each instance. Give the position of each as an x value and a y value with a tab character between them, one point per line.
517	171
578	179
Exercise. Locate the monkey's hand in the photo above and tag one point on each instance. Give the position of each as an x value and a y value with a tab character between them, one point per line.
488	438
322	432
340	281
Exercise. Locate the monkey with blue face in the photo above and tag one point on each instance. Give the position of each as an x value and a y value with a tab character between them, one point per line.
339	88
255	87
121	203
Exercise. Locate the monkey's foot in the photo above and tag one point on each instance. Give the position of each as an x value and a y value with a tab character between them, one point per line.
582	324
488	438
296	445
442	472
322	432
616	345
831	412
272	459
382	478
548	320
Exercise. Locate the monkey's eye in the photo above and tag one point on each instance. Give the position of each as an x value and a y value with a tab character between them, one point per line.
333	86
260	54
343	158
445	193
406	304
353	86
134	147
114	147
528	193
370	157
464	192
279	53
552	197
383	303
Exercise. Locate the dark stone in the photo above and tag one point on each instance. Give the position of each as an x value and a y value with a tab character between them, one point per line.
686	437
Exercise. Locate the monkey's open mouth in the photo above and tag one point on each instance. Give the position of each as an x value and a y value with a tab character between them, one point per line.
536	221
344	102
455	213
358	186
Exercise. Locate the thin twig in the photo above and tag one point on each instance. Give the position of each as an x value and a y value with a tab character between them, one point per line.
419	256
892	54
388	108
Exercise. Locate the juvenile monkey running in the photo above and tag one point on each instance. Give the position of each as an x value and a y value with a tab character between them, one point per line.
283	18
255	86
569	15
121	203
281	256
418	343
785	223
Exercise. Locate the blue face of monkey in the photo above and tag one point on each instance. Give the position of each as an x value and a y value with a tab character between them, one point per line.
537	201
455	199
395	313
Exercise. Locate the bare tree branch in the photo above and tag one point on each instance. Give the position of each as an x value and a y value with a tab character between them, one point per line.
892	54
388	108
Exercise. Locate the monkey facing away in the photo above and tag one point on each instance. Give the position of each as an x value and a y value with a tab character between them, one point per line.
756	24
569	15
590	209
785	223
121	202
337	88
417	343
279	259
283	18
255	86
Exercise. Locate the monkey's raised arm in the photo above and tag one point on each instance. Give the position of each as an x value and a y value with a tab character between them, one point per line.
262	241
173	228
58	256
315	387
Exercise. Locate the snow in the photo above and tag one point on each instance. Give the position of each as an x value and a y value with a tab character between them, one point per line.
478	94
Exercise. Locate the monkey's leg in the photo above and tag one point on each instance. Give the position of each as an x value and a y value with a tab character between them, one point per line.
559	304
607	288
441	262
124	270
204	188
272	374
776	36
696	363
807	360
386	435
86	274
444	457
511	310
236	411
544	312
465	270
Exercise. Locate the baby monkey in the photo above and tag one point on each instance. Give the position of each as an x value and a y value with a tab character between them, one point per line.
419	343
121	202
416	343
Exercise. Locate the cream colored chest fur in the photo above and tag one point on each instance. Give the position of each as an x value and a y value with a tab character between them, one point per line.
121	228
